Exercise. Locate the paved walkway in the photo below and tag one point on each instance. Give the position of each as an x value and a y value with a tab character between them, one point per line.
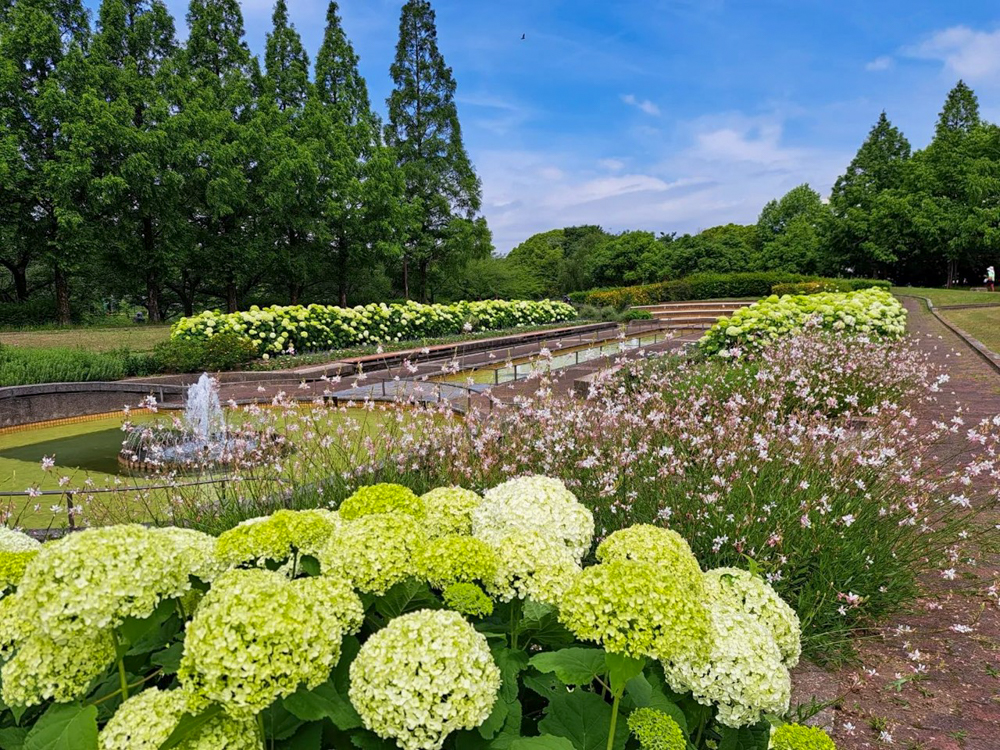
955	705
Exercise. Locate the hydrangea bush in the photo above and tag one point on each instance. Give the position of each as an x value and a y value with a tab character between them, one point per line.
273	330
443	623
871	312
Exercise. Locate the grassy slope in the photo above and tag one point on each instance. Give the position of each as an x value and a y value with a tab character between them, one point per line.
137	339
950	296
981	323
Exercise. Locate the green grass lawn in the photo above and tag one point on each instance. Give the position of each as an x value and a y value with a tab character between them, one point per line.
140	338
982	323
942	297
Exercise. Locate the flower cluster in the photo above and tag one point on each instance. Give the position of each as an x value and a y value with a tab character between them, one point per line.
273	330
468	599
799	737
745	672
146	720
536	503
869	311
256	636
374	552
381	498
419	694
655	730
455	558
16	541
650	544
448	510
277	537
638	609
12	567
531	565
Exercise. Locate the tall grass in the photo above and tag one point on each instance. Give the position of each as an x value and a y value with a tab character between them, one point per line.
30	366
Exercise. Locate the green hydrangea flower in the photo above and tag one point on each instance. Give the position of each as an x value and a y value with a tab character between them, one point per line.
456	559
763	602
419	694
146	720
12	567
539	504
798	737
381	498
530	564
16	541
638	609
655	730
742	674
448	510
198	550
92	580
256	637
277	537
468	599
651	544
43	669
374	552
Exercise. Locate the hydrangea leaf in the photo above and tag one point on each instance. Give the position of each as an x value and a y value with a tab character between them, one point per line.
189	725
308	737
756	737
13	738
584	719
280	722
545	742
644	694
621	669
323	702
511	662
67	726
169	658
406	596
495	721
573	666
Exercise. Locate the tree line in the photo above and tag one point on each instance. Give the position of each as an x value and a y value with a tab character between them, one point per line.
183	175
930	217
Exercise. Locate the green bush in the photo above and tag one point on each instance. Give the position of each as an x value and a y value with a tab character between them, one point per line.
629	315
222	352
227	351
717	286
25	366
41	311
829	285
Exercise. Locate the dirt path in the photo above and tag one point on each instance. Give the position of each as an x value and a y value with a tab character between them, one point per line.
952	702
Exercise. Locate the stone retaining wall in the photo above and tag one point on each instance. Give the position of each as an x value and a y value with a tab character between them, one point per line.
26	404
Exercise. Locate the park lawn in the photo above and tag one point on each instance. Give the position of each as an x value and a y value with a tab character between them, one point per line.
140	338
945	297
981	323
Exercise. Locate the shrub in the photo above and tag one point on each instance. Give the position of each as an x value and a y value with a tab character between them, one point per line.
716	286
222	352
27	366
629	315
38	311
828	285
139	638
872	312
277	330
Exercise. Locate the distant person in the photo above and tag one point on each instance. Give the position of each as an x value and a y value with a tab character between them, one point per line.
991	278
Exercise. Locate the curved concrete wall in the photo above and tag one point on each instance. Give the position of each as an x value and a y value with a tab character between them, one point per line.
25	404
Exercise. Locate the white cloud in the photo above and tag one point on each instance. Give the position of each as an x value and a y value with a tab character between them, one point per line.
644	104
725	169
971	54
880	63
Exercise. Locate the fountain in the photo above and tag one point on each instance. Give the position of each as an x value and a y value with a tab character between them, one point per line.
199	439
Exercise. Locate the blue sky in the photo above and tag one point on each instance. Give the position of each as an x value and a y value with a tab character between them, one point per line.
671	115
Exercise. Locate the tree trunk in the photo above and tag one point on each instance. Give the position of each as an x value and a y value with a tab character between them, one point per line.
294	291
232	303
406	278
152	277
952	272
423	281
19	271
63	312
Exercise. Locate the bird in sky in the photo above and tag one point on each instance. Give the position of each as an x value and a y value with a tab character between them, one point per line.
523	36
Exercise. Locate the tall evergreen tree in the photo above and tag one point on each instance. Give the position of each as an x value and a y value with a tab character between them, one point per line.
790	232
218	135
122	153
41	50
286	63
859	201
361	185
442	188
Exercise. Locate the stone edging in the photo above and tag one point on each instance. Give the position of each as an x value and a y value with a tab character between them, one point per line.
991	358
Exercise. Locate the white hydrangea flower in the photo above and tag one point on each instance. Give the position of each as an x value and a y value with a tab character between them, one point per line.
146	720
536	503
257	636
530	564
15	541
744	675
422	677
92	580
448	510
374	552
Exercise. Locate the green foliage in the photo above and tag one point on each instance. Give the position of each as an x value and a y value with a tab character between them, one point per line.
26	366
699	286
226	351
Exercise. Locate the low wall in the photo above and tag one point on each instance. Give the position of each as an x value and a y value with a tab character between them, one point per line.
26	404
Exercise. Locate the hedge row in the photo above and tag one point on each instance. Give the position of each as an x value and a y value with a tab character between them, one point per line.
717	286
277	330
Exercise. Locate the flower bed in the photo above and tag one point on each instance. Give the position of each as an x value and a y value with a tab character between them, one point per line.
274	330
872	312
445	620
